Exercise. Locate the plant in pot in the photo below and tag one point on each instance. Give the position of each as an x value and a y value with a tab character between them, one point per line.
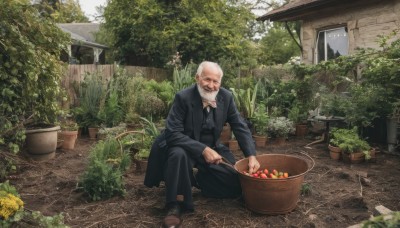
69	134
280	128
91	99
259	122
298	114
337	136
353	148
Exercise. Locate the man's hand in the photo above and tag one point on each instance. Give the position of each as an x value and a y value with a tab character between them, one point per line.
254	165
211	156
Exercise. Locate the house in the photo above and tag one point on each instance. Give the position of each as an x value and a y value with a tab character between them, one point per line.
330	28
84	49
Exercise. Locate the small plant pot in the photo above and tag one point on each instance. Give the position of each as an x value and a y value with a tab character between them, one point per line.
260	141
69	138
335	152
301	130
93	132
357	157
280	141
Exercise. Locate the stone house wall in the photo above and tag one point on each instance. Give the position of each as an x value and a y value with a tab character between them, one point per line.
364	24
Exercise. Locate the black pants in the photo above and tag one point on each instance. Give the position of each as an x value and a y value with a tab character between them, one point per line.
217	181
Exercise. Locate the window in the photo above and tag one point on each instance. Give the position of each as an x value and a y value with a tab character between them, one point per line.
331	44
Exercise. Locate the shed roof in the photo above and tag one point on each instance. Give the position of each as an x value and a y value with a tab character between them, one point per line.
296	9
83	33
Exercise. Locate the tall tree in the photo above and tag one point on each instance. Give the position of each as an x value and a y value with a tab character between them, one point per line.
149	32
61	11
277	46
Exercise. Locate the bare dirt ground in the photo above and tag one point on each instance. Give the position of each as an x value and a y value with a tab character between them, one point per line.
341	194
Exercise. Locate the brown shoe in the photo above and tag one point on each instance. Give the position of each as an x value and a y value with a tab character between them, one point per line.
173	217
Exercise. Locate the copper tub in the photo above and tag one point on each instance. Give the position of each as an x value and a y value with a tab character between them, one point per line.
274	196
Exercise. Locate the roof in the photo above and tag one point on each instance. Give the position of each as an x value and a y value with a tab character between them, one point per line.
296	9
83	33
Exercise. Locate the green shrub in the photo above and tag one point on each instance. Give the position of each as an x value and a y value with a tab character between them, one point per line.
103	177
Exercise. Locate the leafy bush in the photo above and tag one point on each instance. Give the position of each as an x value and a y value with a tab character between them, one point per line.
280	126
103	177
348	140
30	69
260	120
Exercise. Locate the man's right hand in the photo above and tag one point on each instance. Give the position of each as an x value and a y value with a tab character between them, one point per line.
211	156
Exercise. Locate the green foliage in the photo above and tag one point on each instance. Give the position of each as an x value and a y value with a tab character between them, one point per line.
391	220
277	46
183	78
280	126
260	120
149	32
103	177
348	140
66	11
30	69
246	100
112	113
150	127
305	189
91	99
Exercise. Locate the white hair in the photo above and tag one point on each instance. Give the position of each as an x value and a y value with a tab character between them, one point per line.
209	64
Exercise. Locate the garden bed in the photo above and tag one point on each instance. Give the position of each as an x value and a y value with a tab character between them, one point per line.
341	194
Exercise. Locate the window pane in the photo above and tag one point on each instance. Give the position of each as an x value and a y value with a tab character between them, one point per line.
332	44
337	43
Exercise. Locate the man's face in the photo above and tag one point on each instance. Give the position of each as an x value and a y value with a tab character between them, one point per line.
209	82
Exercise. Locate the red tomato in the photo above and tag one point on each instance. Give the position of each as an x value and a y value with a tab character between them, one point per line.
266	171
286	175
255	174
263	176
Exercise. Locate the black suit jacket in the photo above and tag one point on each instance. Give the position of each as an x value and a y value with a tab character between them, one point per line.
183	128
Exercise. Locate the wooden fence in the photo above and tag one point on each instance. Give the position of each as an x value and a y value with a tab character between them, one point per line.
76	73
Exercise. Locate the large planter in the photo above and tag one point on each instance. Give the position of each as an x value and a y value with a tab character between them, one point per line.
335	152
260	141
41	142
69	138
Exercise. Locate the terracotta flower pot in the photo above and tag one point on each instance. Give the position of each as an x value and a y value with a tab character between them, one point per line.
93	132
301	130
69	138
260	141
335	152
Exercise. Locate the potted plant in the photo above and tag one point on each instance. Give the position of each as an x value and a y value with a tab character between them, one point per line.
259	122
298	114
337	136
280	128
353	148
69	134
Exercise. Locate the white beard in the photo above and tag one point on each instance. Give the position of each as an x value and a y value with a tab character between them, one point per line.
207	96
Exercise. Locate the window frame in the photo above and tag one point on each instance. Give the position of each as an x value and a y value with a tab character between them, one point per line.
327	29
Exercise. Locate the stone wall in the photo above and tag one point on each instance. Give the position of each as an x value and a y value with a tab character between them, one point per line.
364	22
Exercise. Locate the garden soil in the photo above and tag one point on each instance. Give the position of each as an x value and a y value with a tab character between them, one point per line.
339	195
